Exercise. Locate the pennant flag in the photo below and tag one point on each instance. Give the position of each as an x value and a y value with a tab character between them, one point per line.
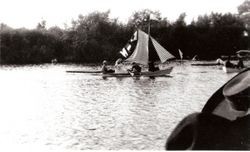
124	52
128	47
153	17
134	37
127	50
181	54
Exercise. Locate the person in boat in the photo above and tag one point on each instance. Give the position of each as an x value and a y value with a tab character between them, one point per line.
152	67
240	63
54	61
119	66
105	69
219	61
228	63
195	58
223	124
136	69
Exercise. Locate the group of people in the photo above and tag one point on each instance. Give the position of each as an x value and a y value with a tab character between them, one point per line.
119	67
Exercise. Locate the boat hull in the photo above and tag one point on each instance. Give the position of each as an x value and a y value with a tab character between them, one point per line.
204	64
160	73
231	70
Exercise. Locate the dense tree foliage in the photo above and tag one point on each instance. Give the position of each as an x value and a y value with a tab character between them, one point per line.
95	37
244	13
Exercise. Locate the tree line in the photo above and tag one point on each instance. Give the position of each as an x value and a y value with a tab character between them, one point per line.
96	36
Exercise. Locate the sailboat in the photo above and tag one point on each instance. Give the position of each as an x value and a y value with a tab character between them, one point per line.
142	49
146	49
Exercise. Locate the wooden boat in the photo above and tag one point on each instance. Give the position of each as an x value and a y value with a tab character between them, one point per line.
218	62
146	49
160	73
231	70
205	64
142	49
243	53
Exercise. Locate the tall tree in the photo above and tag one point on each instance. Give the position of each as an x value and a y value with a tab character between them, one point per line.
244	12
140	19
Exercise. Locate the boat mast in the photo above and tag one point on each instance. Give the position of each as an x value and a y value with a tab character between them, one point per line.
148	27
148	34
0	42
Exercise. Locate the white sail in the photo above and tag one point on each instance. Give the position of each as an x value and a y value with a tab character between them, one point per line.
163	54
181	54
141	52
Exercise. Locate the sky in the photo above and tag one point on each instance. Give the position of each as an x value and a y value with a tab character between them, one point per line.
28	13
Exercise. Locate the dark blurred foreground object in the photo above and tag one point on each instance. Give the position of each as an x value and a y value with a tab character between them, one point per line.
223	124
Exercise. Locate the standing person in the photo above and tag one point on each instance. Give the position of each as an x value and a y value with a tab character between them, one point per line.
223	124
119	66
136	69
151	67
105	69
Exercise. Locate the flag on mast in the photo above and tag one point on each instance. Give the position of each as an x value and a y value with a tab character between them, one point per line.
181	54
153	17
127	49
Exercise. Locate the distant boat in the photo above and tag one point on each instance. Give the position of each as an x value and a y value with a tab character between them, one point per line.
218	62
243	53
205	64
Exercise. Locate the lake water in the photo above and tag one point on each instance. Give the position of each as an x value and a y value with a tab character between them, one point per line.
43	107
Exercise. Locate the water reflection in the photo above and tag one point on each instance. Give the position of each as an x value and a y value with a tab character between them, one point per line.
49	108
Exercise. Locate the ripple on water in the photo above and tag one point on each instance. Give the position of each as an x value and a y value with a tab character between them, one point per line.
48	107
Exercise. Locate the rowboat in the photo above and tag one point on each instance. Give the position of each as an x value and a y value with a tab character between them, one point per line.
219	61
243	53
160	73
205	64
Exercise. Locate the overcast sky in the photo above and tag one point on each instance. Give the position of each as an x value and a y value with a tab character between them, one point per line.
27	13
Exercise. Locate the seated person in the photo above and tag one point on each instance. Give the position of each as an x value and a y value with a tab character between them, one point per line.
219	61
152	68
240	63
223	124
228	64
136	69
105	69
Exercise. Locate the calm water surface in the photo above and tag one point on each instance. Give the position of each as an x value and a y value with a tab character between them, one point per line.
43	107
